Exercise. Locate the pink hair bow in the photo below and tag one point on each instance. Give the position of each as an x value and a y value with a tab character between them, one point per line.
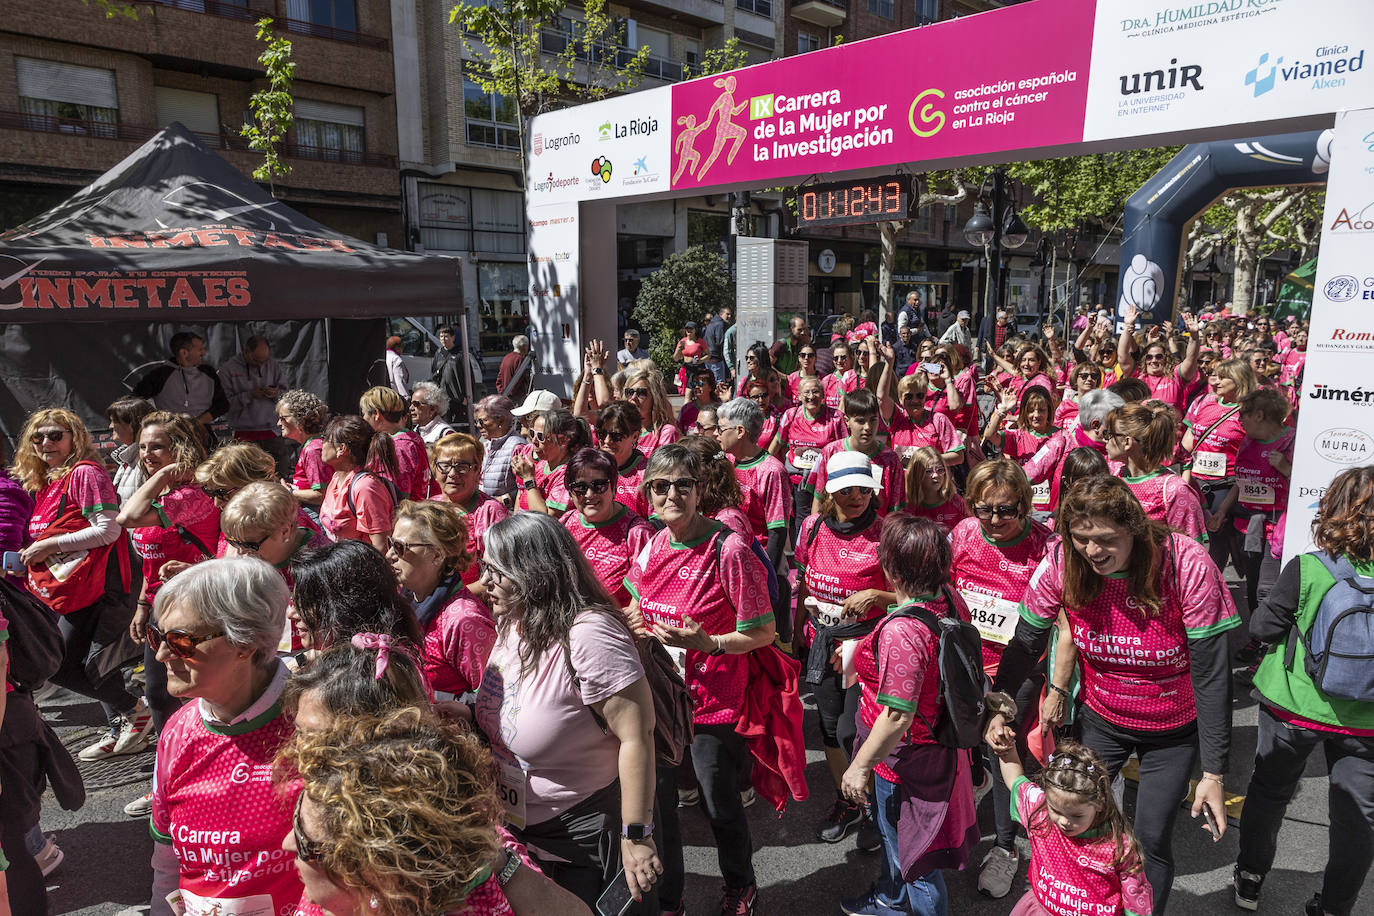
862	332
379	641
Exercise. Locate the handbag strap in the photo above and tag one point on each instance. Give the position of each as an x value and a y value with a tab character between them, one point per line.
1198	440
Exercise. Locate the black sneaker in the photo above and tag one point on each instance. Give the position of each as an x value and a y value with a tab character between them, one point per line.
1247	887
1314	906
842	820
869	839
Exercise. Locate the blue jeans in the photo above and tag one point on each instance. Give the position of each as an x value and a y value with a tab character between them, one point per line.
926	896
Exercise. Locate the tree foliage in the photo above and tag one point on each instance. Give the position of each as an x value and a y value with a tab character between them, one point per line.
273	108
1085	191
731	56
690	283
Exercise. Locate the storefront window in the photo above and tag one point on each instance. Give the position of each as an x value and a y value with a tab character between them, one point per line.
503	306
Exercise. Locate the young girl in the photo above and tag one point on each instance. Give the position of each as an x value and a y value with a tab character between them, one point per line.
930	489
1084	856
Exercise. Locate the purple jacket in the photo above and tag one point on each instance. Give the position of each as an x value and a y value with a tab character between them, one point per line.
16	506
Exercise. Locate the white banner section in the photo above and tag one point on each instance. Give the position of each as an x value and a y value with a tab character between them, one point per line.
1336	416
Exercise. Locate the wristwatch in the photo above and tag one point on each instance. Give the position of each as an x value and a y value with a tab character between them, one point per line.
637	831
528	484
598	372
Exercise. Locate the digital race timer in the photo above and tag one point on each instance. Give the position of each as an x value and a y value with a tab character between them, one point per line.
867	200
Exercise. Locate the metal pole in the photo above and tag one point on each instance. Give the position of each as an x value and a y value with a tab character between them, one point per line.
995	263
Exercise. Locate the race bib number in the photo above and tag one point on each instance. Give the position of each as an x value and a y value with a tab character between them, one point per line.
824	613
1210	464
62	565
510	786
1040	494
806	459
195	905
994	617
1256	493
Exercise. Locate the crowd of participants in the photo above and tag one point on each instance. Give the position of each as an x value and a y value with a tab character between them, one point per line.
447	673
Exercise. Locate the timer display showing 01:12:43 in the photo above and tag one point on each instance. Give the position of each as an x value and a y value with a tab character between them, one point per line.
853	203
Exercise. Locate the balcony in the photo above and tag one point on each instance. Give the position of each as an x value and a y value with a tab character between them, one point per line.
332	34
556	41
825	13
225	9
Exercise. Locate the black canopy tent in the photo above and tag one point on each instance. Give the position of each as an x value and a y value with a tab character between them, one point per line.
174	237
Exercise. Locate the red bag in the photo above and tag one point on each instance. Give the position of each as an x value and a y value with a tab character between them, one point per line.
70	582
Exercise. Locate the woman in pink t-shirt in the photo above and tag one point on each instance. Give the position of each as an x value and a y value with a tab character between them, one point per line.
301	416
387	412
567	709
930	491
1214	435
644	389
428	551
1149	614
1167	382
617	434
843	380
1083	377
806	429
360	498
458	475
911	424
1027	434
806	357
1142	437
1029	366
609	534
701	590
538	468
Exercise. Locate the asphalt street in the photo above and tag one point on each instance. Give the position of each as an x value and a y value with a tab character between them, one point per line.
106	869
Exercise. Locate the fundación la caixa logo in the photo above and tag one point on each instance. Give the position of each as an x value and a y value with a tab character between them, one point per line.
1326	68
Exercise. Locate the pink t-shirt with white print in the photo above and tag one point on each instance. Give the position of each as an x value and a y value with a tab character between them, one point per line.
610	547
1262	487
1070	876
413	461
673	580
767	493
1136	666
992	576
835	566
935	430
1166	498
805	436
456	644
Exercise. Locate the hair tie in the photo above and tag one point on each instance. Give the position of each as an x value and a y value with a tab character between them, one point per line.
379	641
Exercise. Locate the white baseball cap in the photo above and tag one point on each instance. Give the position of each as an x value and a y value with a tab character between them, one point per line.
538	400
851	469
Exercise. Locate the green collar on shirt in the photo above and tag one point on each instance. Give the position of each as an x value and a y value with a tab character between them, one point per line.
688	545
808	416
918	599
243	728
1003	544
308	441
610	521
636	459
752	462
1143	477
1117	575
849	447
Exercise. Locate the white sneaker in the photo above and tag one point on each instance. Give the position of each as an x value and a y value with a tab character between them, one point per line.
135	730
49	857
998	872
140	807
103	748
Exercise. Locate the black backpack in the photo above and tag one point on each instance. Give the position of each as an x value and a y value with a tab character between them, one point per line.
35	643
959	653
386	482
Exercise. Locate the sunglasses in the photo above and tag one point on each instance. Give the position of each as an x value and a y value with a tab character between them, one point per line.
401	548
807	354
841	357
583	487
448	467
250	546
181	643
705	429
52	435
759	396
984	511
662	485
1154	357
605	435
538	436
307	850
636	392
853	491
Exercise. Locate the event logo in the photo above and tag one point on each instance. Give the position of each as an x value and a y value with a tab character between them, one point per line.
601	168
930	115
1361	220
635	127
641	165
553	144
204	204
1342	288
1159	80
604	132
1194	15
552	184
1344	445
1362	396
1328	71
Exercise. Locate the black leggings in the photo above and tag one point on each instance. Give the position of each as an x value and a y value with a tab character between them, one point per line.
79	644
835	708
1166	764
1027	699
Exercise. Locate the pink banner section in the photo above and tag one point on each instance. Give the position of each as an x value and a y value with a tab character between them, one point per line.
952	89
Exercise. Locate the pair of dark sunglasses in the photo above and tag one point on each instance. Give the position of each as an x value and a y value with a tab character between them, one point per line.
662	485
181	643
986	512
583	487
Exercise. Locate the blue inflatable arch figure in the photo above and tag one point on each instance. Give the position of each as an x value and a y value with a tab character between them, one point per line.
1155	216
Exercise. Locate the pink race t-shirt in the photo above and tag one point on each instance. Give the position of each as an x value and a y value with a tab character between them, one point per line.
835	566
992	576
893	495
188	506
836	385
1168	388
549	482
1166	498
767	493
1262	488
456	643
610	547
1136	666
542	734
1070	876
371	499
87	486
947	514
311	472
651	439
804	436
480	514
724	592
733	517
628	481
1214	458
933	429
413	460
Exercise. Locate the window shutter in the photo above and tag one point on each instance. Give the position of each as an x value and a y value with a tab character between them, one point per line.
58	82
351	115
198	111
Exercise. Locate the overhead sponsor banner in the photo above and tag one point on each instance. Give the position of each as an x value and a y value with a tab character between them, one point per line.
1336	417
614	148
907	96
1168	65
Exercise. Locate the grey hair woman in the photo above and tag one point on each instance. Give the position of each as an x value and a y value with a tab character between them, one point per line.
562	647
217	628
428	404
500	438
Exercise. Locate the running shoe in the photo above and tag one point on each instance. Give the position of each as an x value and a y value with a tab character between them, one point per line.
135	730
103	748
49	857
1314	906
998	872
869	839
140	807
843	819
1247	887
868	905
739	901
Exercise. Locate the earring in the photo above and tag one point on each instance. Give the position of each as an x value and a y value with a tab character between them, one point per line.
374	903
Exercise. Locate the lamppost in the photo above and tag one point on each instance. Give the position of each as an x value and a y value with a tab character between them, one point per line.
1211	270
1041	259
982	230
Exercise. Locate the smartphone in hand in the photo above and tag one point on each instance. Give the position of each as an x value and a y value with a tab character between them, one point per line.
12	564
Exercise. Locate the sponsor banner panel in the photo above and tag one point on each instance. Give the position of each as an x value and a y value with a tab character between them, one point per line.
553	291
907	96
1336	419
614	148
1168	65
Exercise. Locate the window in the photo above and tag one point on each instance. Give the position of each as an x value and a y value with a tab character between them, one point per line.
66	98
656	40
490	117
923	219
881	7
927	11
760	7
332	14
691	54
328	131
197	111
807	42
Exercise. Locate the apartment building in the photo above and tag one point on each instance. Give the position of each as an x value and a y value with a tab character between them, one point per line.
79	92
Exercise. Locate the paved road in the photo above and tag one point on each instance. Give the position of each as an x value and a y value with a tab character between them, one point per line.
106	871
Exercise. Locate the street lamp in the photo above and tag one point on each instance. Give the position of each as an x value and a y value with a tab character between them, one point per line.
982	229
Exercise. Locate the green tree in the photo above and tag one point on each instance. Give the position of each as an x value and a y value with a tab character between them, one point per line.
1253	223
528	52
273	108
690	283
1085	191
731	56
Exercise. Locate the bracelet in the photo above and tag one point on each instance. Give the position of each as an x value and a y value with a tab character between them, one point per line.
511	867
1061	691
1219	780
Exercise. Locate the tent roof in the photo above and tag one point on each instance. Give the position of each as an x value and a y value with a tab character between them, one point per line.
174	232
